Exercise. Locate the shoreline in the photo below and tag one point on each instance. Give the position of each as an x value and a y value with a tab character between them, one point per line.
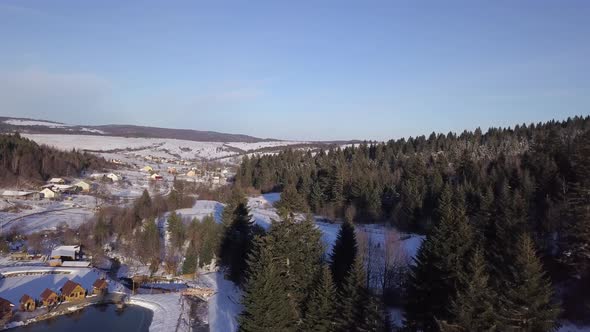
68	307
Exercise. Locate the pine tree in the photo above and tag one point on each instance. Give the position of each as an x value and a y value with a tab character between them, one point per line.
343	254
577	240
321	307
299	244
176	230
267	304
473	309
291	201
348	317
357	309
189	266
435	278
527	305
236	243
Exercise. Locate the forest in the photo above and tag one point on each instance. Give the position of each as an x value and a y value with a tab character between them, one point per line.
25	163
506	215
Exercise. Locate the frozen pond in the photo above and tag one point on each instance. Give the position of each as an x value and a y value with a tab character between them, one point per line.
97	318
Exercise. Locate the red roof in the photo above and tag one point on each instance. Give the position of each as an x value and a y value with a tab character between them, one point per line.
100	284
69	287
25	298
46	294
5	305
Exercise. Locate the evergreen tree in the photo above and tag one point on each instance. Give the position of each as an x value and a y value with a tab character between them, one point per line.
577	240
436	277
357	309
298	243
149	250
236	243
527	305
176	230
291	201
189	266
267	304
210	237
321	308
343	254
473	309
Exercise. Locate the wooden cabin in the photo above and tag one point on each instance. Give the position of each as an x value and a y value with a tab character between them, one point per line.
5	310
49	298
73	291
27	303
100	287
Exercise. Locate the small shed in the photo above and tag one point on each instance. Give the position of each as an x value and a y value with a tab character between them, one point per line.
84	186
147	168
57	181
114	177
5	310
66	252
100	287
27	303
48	193
97	176
191	173
73	291
49	298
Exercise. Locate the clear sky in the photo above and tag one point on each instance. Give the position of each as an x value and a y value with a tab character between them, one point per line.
296	69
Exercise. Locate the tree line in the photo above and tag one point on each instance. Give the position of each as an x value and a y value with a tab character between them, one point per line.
22	161
506	213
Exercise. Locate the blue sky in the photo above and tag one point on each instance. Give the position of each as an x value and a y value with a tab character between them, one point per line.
296	69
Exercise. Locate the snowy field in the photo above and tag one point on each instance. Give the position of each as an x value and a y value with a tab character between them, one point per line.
156	147
13	288
48	214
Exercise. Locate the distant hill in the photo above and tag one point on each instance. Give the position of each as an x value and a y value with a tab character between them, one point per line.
32	126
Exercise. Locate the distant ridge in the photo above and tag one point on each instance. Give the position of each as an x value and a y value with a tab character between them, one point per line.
34	126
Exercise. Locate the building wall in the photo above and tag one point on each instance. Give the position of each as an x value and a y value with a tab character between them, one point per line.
77	294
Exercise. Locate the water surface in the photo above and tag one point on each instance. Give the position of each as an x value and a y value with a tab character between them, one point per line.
98	318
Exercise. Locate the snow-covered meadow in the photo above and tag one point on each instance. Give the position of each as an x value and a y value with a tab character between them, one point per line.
155	147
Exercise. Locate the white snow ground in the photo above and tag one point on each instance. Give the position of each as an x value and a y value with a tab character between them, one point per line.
155	147
167	310
224	305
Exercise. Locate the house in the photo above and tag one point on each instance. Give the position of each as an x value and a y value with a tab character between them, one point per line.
49	298
21	194
84	186
56	181
156	176
100	287
63	188
5	310
27	303
97	176
66	253
147	168
49	194
215	180
72	291
172	170
114	177
191	173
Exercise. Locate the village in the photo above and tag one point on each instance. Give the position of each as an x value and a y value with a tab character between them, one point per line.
40	284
